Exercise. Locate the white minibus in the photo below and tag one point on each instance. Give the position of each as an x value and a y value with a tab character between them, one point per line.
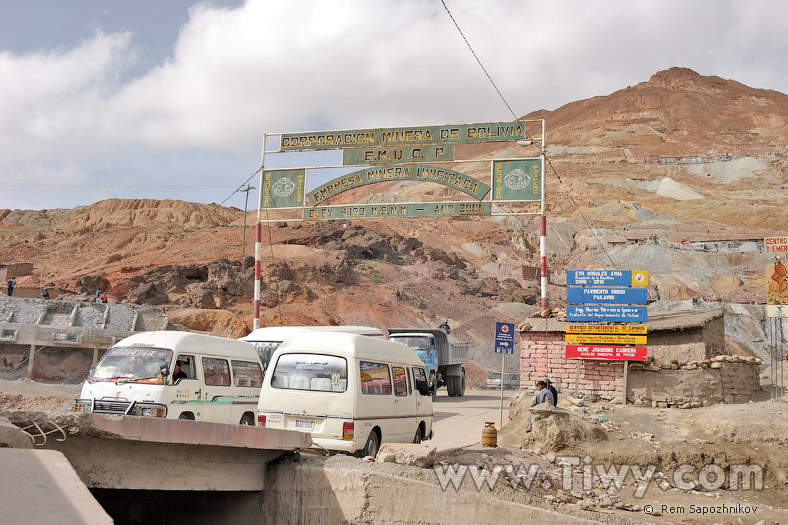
268	339
176	375
351	392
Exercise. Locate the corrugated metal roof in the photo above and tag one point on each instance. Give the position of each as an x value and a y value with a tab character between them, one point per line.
657	321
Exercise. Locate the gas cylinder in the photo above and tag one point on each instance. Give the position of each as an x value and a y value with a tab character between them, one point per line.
489	435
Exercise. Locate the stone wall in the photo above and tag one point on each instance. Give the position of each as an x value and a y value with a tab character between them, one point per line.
662	344
542	355
722	379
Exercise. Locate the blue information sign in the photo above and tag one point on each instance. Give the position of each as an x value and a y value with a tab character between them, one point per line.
598	312
606	278
599	277
504	338
605	295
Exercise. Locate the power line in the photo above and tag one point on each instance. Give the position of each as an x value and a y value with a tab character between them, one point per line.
478	61
541	147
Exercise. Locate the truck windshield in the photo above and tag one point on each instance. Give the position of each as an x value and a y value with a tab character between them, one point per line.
132	364
416	342
265	349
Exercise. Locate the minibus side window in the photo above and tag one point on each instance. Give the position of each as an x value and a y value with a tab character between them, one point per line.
420	379
400	381
247	373
216	371
375	378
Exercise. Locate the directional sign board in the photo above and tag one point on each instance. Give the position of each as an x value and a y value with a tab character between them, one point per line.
606	278
616	339
606	295
615	353
504	338
598	312
606	329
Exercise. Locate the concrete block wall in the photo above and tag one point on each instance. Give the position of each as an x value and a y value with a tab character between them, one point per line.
542	355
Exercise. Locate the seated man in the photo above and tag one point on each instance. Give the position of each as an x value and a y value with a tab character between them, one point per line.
178	373
543	395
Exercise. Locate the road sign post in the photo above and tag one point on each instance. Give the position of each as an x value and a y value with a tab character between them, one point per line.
504	345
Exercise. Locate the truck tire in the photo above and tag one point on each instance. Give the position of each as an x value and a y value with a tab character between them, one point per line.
459	384
450	385
433	385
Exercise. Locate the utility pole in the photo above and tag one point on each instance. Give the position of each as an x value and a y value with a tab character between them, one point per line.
246	202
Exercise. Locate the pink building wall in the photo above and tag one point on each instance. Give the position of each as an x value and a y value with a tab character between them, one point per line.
542	356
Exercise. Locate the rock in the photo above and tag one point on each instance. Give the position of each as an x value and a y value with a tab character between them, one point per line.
715	364
12	437
418	455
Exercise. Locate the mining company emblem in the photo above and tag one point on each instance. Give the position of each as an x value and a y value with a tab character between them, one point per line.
284	187
516	179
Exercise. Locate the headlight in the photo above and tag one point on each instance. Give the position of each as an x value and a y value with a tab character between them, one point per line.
84	406
152	411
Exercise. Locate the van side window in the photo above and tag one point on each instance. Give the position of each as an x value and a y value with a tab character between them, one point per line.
216	371
247	373
400	381
325	373
375	378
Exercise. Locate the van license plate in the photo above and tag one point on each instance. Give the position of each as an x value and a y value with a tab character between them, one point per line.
304	424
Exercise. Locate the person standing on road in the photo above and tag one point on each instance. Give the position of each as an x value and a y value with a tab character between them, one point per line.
98	295
11	284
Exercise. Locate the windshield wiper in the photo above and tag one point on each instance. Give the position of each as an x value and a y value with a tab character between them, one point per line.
136	379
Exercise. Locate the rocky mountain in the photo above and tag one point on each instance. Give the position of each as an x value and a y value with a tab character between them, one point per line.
679	175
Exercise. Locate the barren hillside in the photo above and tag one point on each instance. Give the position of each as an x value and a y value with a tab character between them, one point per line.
633	178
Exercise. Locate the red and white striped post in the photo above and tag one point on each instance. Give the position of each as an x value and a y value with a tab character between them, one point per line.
543	254
258	250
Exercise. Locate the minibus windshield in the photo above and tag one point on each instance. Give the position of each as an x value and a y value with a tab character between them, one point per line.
132	364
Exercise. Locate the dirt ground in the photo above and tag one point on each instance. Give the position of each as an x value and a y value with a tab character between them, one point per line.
666	440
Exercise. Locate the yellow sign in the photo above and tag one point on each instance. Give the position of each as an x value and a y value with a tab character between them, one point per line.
606	339
606	329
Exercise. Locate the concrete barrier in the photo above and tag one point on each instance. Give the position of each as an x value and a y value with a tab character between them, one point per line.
40	486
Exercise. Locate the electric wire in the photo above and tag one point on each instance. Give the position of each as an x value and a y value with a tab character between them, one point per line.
541	146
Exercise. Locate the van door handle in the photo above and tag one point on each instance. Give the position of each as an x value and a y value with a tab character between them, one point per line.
197	393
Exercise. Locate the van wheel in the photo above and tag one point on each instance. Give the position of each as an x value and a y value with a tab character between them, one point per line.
417	437
186	415
372	446
247	420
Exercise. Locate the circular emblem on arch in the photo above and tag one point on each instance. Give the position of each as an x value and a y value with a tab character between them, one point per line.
516	179
284	187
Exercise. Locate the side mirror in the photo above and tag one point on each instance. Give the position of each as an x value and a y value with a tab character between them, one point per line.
163	370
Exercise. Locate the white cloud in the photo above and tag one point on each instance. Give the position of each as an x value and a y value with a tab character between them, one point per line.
272	66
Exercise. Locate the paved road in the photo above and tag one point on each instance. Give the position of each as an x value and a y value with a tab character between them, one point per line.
459	421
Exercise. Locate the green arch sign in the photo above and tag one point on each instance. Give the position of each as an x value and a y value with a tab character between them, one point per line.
422	173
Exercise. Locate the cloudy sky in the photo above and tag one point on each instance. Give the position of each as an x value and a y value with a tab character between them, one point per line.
170	99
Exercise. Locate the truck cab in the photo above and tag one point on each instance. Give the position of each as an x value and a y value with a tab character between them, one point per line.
442	360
